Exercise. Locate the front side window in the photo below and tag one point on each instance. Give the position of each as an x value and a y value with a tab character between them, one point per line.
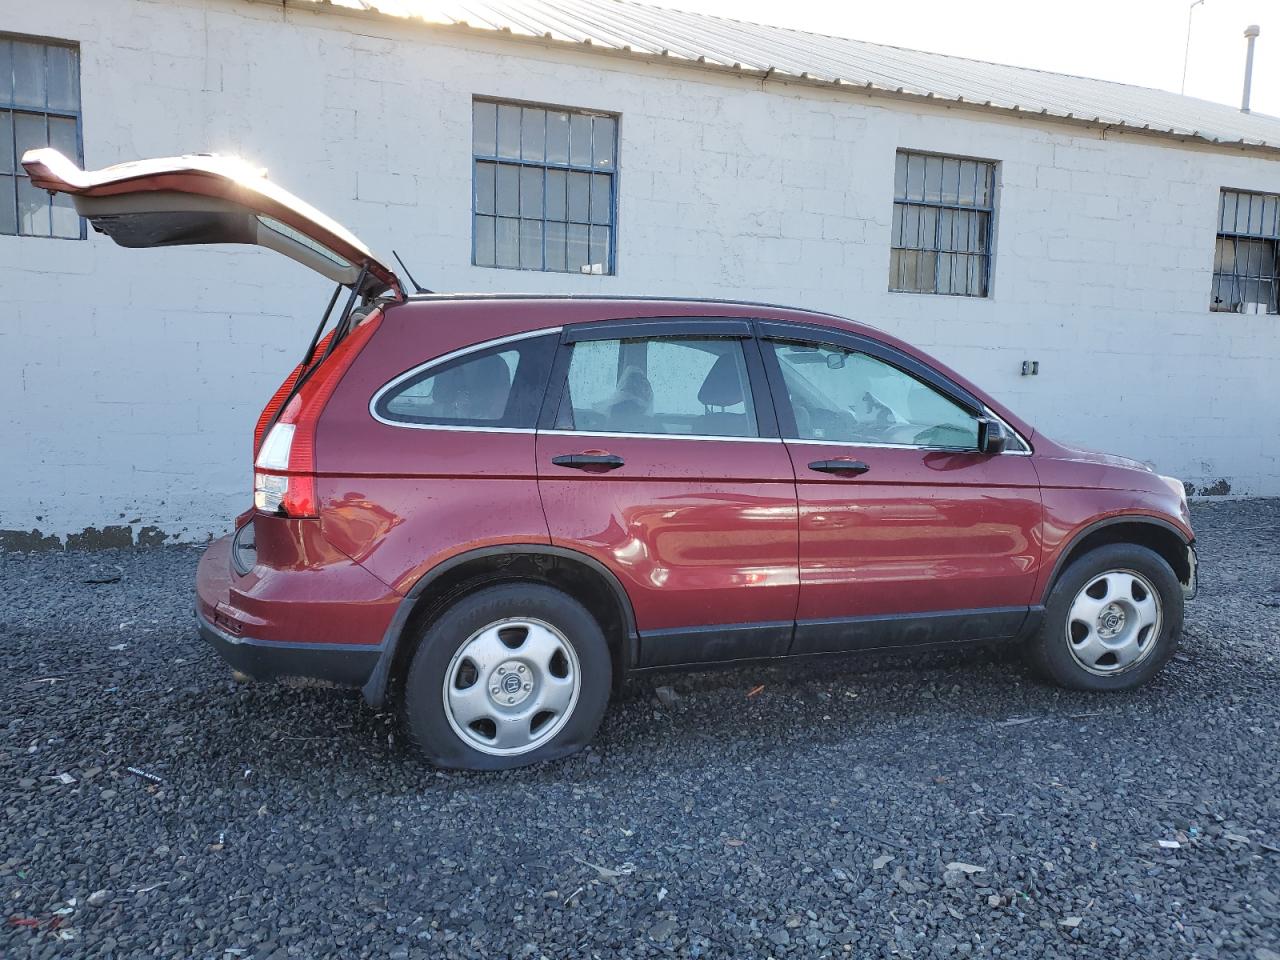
678	386
544	188
842	396
500	387
942	211
39	107
1244	263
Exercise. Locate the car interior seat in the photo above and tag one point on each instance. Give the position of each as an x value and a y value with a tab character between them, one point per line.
723	388
477	390
631	407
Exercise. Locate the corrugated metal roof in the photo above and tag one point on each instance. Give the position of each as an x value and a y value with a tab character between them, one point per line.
627	28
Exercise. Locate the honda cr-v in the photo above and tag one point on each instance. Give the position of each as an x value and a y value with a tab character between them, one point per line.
489	510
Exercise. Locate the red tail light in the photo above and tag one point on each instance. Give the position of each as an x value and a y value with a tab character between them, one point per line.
277	399
284	478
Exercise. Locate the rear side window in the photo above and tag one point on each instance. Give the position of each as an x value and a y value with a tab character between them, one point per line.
501	386
691	386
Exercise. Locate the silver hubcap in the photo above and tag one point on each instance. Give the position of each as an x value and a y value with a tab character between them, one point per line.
1113	622
511	686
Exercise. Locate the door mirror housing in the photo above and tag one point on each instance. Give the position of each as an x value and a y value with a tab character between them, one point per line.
991	437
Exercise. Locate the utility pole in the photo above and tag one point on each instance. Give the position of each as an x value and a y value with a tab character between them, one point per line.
1186	54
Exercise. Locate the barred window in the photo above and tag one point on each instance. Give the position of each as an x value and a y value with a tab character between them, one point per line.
1244	263
942	211
39	107
544	188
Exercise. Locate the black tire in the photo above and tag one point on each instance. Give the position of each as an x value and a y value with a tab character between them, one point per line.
425	714
1050	651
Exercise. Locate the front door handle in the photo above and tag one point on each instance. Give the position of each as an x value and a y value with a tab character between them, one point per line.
850	468
597	462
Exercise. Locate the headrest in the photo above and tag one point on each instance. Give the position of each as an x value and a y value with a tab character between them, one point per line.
474	388
723	386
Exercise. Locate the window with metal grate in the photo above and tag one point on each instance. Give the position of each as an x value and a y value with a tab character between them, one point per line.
39	107
942	213
544	188
1244	263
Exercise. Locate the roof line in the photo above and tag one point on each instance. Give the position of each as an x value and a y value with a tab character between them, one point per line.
619	297
893	46
869	89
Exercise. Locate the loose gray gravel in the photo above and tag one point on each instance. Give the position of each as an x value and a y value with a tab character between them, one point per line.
947	807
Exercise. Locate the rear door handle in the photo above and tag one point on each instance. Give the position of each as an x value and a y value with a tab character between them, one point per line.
850	468
589	461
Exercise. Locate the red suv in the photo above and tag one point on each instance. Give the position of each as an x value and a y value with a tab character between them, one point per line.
490	510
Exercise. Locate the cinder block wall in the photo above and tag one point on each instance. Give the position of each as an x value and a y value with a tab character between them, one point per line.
130	380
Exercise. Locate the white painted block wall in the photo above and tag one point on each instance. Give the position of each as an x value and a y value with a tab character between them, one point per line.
130	380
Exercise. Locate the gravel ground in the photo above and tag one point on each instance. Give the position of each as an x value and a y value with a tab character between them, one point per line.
816	817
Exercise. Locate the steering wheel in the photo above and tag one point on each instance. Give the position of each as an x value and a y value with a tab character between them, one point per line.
869	428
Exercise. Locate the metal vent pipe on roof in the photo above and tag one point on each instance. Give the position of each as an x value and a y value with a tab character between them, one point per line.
1251	34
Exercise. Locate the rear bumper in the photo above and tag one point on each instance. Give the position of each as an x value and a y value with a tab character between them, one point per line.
1192	586
347	665
297	621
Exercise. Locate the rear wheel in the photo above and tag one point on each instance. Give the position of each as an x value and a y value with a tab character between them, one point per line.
1112	621
508	676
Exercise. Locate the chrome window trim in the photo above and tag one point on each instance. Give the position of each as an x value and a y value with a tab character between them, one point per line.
447	358
911	446
458	428
691	436
657	436
579	433
879	446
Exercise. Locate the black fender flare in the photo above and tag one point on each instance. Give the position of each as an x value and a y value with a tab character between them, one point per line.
375	688
1101	525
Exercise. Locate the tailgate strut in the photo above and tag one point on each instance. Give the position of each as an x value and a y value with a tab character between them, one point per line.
315	339
342	327
340	330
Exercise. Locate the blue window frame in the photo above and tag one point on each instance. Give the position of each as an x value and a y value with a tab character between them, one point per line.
942	213
39	107
544	193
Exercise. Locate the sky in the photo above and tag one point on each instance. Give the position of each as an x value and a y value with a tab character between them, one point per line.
1131	41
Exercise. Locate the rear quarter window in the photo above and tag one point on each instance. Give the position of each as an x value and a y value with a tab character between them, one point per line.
499	386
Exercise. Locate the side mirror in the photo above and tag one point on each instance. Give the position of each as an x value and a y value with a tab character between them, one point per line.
991	437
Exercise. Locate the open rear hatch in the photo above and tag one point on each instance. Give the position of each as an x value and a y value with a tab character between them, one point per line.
177	201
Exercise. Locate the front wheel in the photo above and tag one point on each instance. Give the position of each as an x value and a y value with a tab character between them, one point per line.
1112	621
508	676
